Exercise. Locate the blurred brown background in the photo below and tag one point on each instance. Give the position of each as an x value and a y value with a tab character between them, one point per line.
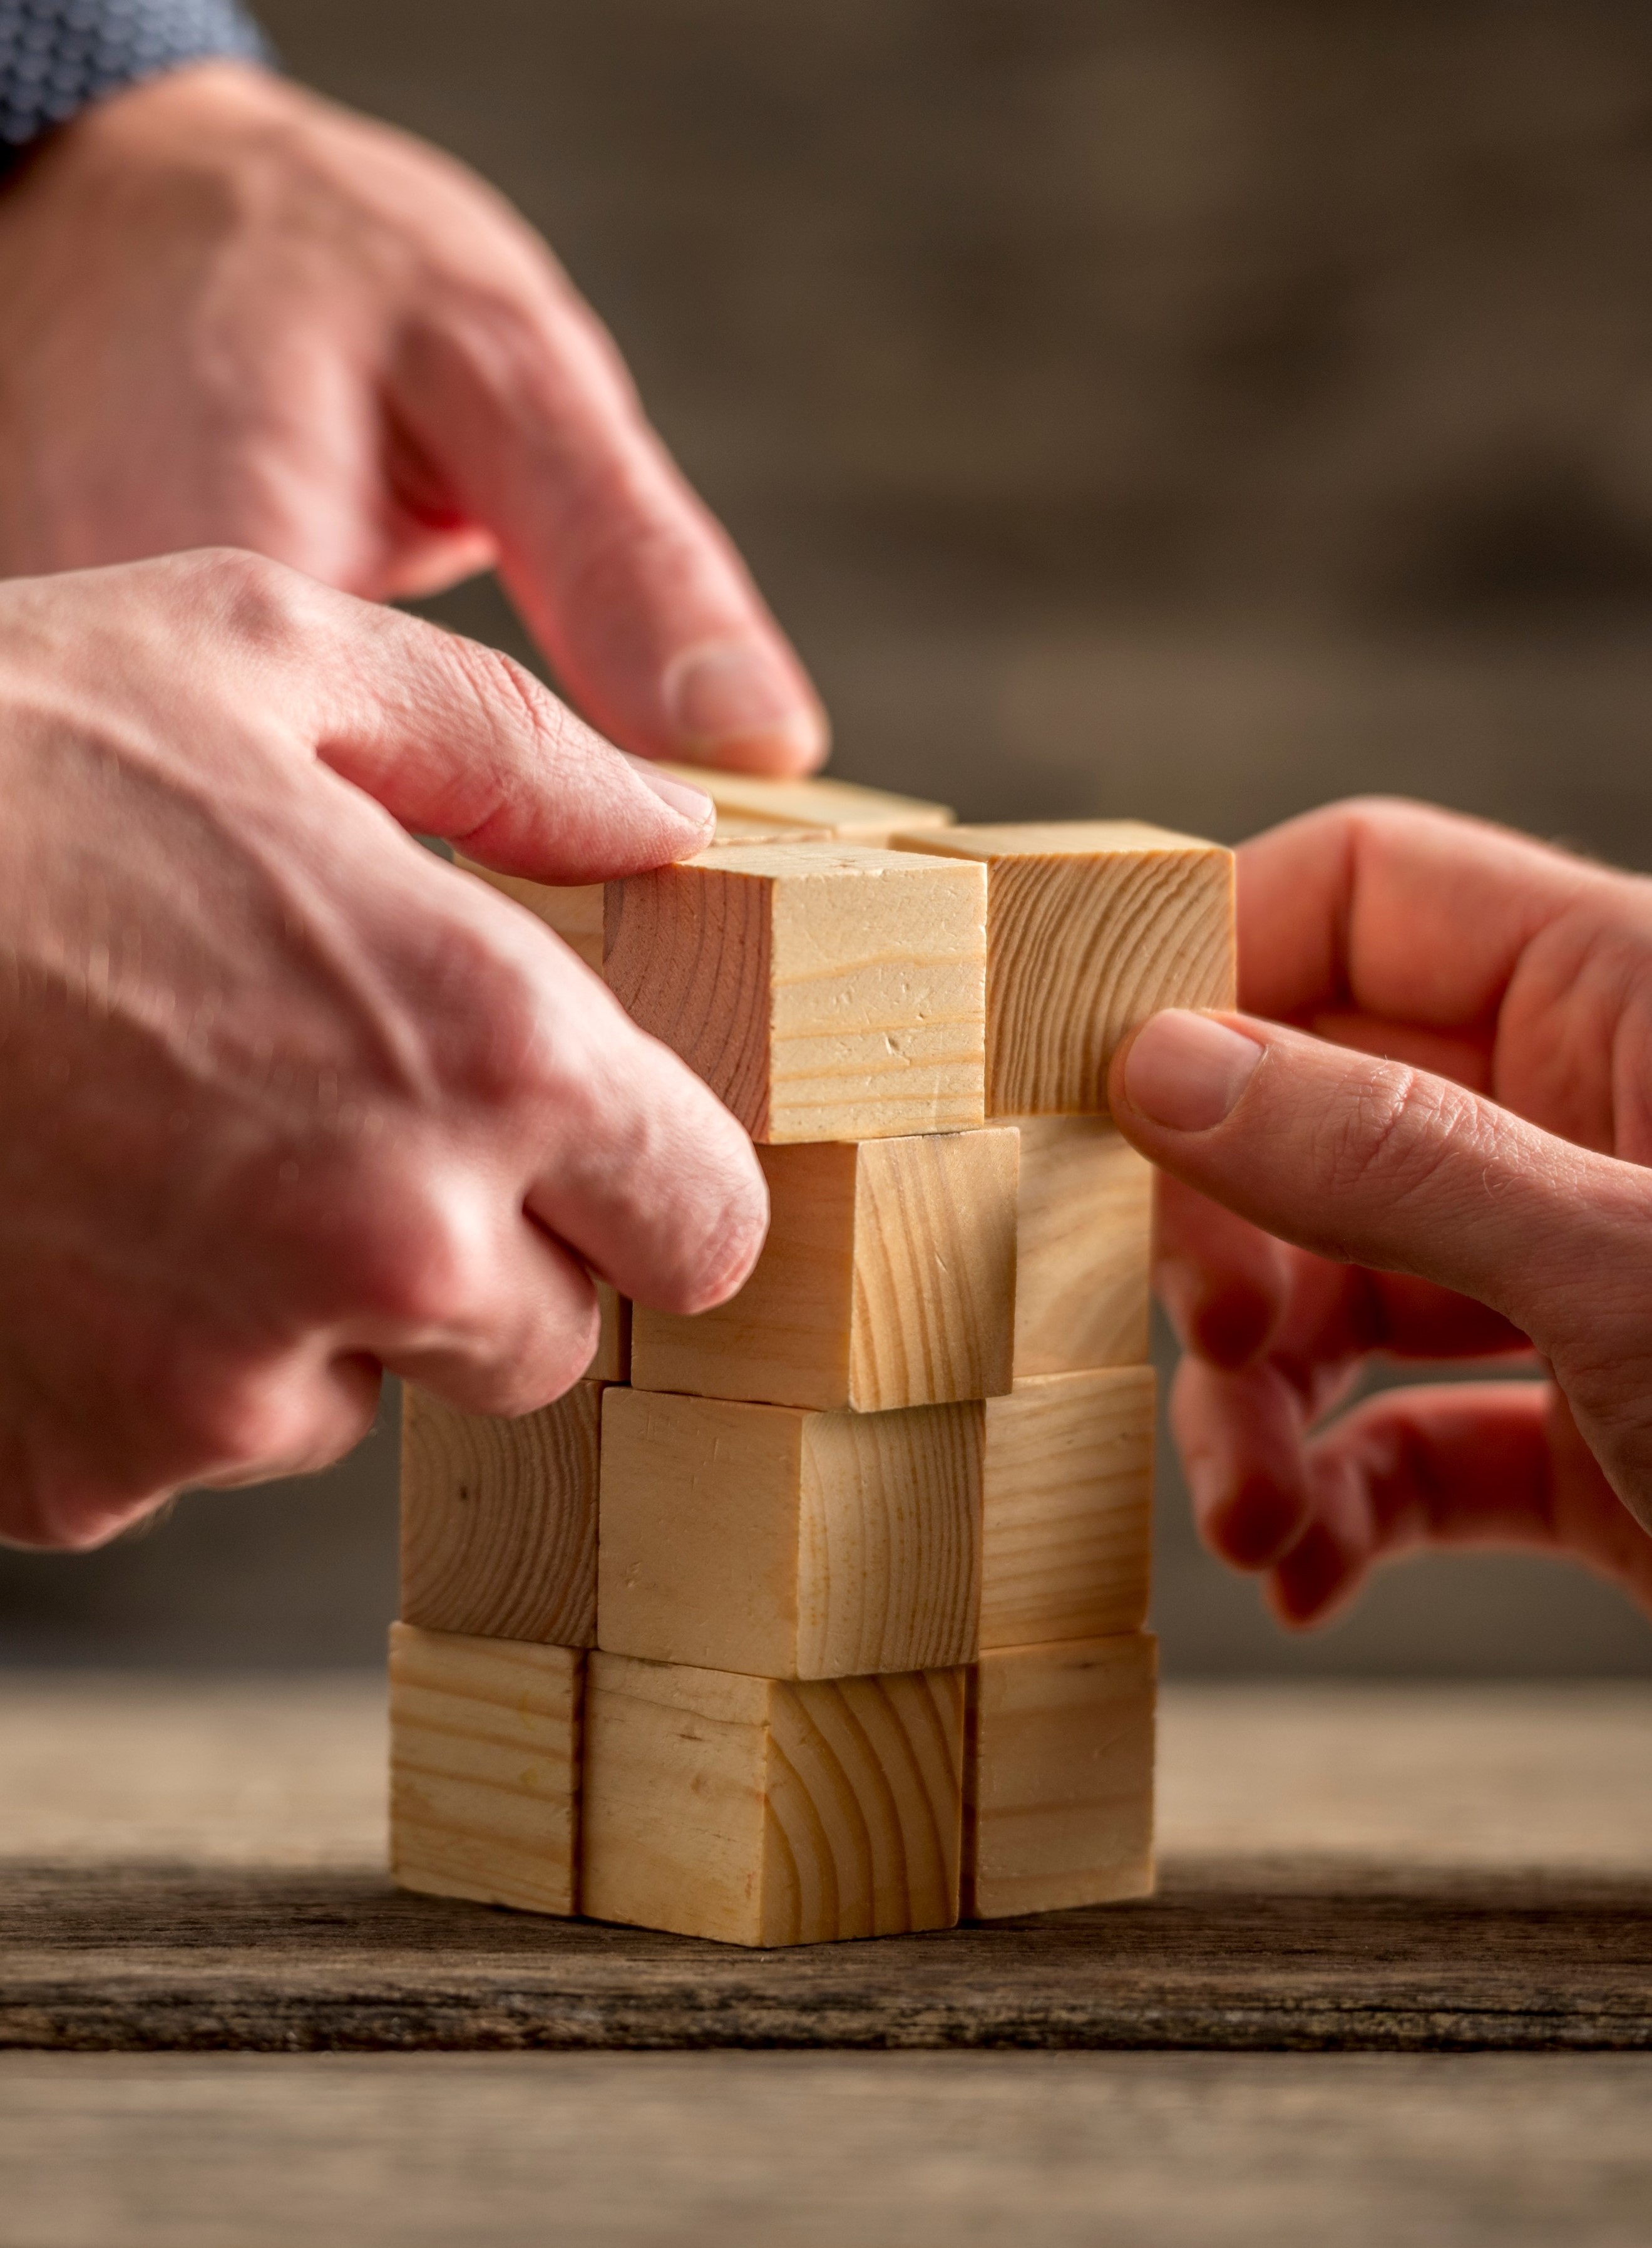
1185	411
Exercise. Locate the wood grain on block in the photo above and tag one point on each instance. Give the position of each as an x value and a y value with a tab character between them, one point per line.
1067	1507
787	1543
757	803
823	991
499	1519
574	911
1059	1777
1093	925
765	1812
888	1278
1083	1247
484	1769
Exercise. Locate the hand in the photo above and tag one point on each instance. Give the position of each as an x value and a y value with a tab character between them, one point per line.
1460	1175
284	1098
235	315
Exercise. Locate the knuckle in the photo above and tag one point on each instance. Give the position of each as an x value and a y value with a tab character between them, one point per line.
260	602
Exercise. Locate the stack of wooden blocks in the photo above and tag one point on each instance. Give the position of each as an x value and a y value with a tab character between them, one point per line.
823	1614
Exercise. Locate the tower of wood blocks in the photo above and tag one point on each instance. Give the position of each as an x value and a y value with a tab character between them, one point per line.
823	1613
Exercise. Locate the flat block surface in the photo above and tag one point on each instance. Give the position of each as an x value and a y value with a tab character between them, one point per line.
782	1543
822	991
1083	1246
764	1812
484	1769
499	1519
840	808
1067	1507
888	1278
1058	1780
1093	926
197	1864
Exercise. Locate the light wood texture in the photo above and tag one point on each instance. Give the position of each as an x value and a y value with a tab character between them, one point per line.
484	1769
499	1519
1093	925
888	1278
1083	1247
612	1360
763	1811
787	1543
839	808
823	991
1059	1777
818	2149
1067	1507
572	911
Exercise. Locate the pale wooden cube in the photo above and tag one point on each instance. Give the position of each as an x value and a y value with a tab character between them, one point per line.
572	911
1059	1777
750	806
763	1811
1083	1247
823	991
787	1543
499	1519
888	1278
484	1769
1093	925
610	1361
1067	1507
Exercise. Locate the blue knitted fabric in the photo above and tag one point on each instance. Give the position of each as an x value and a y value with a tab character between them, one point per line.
56	56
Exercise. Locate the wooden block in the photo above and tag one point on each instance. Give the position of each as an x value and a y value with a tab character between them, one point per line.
1067	1507
499	1519
484	1769
1093	925
1059	1777
786	1543
888	1278
760	1812
823	991
573	911
822	807
1083	1247
612	1360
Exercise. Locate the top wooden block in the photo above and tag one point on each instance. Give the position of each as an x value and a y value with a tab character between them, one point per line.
1093	925
823	990
754	802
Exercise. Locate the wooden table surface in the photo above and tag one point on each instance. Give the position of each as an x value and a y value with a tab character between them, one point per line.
1397	1983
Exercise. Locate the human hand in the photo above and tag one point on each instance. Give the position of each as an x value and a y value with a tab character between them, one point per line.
285	1099
1459	1174
236	315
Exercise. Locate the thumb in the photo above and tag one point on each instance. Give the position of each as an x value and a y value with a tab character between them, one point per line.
1374	1163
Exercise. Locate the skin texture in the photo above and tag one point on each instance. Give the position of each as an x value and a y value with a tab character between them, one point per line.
1439	1100
236	315
286	1099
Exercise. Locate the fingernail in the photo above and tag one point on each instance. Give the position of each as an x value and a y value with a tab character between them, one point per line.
681	795
1187	1072
730	691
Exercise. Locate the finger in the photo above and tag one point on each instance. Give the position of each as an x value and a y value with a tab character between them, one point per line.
1470	1465
525	411
1224	1283
1239	1438
453	739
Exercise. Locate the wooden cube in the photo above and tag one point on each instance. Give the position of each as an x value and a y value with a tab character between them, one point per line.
822	991
1059	1777
571	911
1093	925
759	1812
484	1769
750	804
499	1519
1067	1508
1083	1247
612	1360
787	1543
888	1278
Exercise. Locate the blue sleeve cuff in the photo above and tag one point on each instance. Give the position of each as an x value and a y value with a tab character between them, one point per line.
58	56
